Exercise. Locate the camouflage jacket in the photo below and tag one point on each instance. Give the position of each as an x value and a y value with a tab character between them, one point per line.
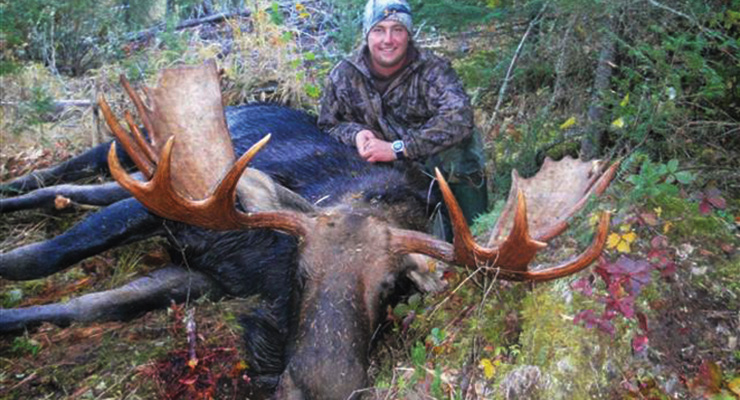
425	106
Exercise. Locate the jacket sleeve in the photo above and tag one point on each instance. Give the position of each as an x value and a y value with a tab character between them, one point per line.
334	115
452	121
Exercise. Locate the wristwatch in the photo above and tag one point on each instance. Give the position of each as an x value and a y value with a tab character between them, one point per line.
399	148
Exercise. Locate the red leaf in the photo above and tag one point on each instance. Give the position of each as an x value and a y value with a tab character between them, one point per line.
639	343
718	202
704	207
583	285
659	242
642	322
650	218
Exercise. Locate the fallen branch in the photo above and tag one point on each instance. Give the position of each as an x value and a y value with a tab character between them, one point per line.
189	23
56	109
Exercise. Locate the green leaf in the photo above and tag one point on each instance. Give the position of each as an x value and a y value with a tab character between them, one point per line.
672	165
662	169
313	91
685	177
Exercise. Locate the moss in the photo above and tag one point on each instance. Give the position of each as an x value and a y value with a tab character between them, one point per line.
574	361
689	222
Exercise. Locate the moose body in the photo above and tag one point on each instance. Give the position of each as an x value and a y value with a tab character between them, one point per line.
238	263
322	237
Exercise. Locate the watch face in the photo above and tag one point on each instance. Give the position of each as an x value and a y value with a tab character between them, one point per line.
397	146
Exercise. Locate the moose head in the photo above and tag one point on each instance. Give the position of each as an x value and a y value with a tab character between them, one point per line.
351	254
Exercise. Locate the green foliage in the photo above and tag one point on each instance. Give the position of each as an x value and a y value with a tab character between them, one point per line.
671	76
655	179
23	345
71	36
419	359
447	16
137	14
41	103
347	19
479	69
276	17
12	297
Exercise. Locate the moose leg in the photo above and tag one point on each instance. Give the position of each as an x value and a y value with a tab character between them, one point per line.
94	195
88	164
121	223
151	292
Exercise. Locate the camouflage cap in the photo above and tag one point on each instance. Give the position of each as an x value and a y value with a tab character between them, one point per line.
380	10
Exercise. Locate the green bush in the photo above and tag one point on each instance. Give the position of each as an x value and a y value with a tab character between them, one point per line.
70	36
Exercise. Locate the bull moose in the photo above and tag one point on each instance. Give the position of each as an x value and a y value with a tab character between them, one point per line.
321	236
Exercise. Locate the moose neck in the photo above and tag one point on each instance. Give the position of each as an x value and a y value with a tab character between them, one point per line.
348	272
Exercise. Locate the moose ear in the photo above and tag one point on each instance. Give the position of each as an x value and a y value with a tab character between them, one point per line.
423	273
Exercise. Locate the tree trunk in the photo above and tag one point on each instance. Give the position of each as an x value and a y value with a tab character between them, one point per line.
593	140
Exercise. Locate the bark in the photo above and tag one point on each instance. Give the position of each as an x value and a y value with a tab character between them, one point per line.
593	140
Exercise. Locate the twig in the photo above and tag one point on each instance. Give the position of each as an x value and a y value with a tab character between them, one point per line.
514	59
190	329
470	276
24	381
679	13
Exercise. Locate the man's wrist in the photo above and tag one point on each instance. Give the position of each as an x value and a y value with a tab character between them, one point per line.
399	149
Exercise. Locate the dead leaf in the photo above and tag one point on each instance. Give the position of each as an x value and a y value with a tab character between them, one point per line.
61	202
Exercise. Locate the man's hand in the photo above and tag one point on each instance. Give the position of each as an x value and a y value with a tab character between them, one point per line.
372	149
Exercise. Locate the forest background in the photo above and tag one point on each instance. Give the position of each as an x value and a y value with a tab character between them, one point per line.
653	83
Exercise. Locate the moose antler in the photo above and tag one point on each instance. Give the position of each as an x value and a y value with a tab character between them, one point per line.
569	183
194	154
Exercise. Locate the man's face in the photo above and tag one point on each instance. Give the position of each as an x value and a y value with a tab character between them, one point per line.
388	42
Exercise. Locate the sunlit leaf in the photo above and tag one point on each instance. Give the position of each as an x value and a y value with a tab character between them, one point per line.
618	123
488	368
623	247
734	386
625	100
567	124
629	237
613	240
623	241
658	211
594	219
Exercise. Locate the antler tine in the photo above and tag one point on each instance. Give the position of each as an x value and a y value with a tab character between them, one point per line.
217	211
140	140
571	267
139	104
224	197
145	165
515	253
463	242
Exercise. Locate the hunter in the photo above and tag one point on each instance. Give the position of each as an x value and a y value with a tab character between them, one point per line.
400	104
